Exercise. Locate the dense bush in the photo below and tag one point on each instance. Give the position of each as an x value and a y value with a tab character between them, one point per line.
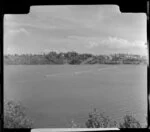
15	116
130	122
99	120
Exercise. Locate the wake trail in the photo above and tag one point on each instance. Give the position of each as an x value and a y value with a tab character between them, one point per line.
79	72
101	69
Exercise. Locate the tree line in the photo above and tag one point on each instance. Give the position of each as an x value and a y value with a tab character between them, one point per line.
73	58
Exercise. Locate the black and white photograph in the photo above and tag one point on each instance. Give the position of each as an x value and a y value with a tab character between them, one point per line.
75	66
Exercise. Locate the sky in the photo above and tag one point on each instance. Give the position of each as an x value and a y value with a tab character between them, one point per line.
96	29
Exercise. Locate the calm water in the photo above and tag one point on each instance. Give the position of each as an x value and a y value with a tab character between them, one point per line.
57	94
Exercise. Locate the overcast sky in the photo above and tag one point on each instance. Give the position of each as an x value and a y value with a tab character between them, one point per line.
93	29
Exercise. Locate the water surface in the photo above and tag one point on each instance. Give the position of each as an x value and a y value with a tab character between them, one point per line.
56	94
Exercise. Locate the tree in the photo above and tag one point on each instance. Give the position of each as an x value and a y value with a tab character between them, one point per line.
15	116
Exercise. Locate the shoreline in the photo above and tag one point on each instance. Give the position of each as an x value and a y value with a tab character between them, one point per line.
73	64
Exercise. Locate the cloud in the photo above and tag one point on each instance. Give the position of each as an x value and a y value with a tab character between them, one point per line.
20	30
114	42
16	31
109	41
10	50
88	28
118	43
11	36
111	44
92	44
11	33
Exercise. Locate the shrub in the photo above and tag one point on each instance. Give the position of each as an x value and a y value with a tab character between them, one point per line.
15	116
99	120
74	124
130	122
